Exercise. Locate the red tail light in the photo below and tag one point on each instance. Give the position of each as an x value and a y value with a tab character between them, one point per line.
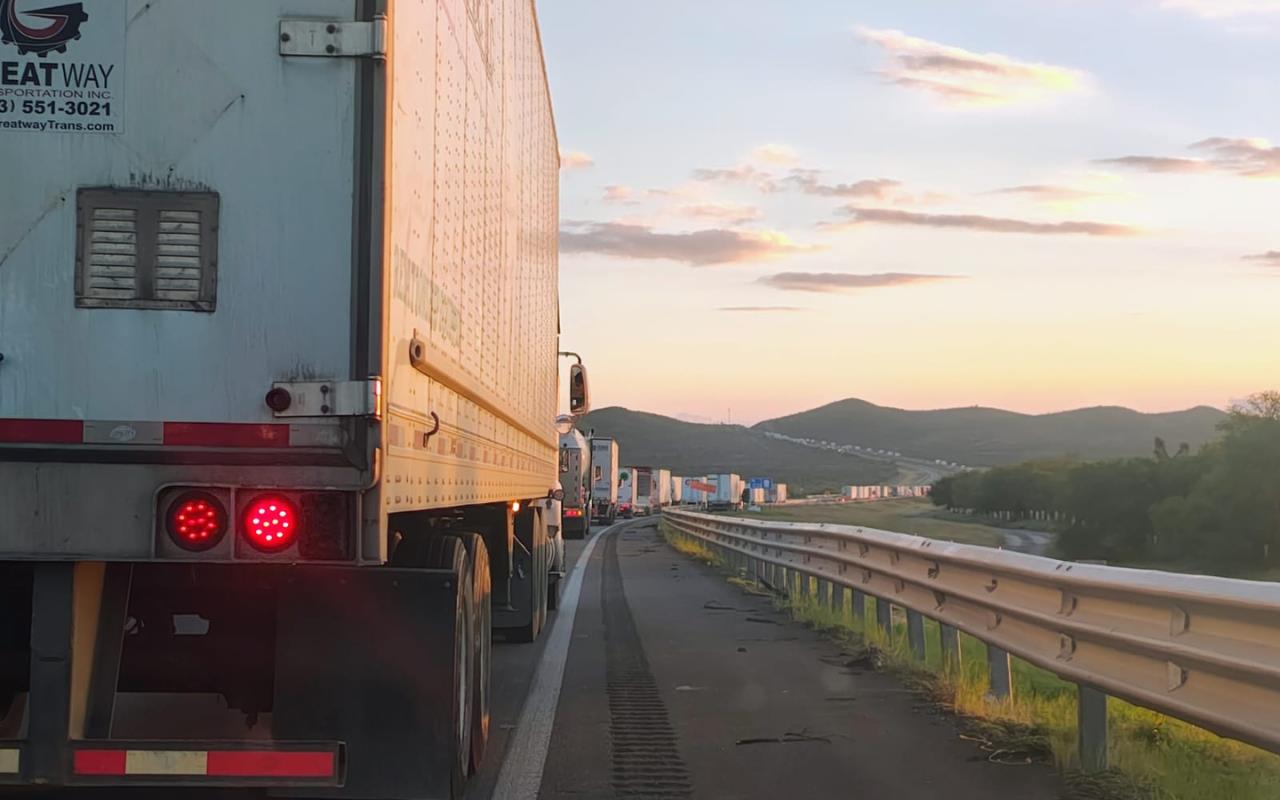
196	521
270	523
573	512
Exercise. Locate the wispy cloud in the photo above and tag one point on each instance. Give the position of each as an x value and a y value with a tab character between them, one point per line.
1051	194
620	195
829	282
696	248
1251	158
763	309
762	180
1159	164
809	181
1222	9
1246	157
960	77
778	154
574	159
721	212
975	222
1271	258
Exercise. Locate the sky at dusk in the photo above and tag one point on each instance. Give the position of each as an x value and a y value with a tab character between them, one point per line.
1030	204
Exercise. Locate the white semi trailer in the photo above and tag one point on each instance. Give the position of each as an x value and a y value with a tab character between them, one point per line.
604	479
278	326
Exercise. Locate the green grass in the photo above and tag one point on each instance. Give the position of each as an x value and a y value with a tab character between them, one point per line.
1152	756
906	515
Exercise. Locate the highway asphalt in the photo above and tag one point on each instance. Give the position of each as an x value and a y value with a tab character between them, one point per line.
677	684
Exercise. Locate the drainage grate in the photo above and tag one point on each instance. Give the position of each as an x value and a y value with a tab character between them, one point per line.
646	755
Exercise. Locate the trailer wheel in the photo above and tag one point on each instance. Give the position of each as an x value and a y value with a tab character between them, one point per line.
449	553
482	644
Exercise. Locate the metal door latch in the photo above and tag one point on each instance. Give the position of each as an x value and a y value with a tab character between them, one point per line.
320	38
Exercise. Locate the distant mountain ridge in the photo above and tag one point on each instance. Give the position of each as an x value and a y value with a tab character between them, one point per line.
980	436
690	448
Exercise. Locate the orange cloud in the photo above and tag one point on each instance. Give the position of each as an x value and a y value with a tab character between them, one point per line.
963	78
975	222
778	154
829	282
573	159
1271	258
696	248
1245	157
624	195
1044	193
724	212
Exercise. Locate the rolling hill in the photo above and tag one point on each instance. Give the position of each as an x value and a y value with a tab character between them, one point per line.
988	436
688	448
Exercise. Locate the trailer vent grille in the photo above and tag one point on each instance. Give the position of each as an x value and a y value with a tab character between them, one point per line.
151	250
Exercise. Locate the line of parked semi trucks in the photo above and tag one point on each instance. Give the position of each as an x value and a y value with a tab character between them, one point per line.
598	488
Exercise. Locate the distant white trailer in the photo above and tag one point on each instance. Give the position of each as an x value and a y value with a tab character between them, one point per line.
728	491
626	491
643	494
677	490
660	488
778	494
757	497
691	493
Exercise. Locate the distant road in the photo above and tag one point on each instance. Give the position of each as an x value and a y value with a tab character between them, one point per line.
911	471
1034	542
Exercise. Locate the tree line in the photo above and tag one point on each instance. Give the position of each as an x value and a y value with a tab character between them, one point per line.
1218	508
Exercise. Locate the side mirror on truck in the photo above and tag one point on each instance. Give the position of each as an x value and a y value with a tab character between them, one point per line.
579	393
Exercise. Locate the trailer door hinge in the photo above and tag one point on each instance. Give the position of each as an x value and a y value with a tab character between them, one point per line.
326	398
334	39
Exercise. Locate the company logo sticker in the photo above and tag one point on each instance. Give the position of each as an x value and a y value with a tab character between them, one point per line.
59	25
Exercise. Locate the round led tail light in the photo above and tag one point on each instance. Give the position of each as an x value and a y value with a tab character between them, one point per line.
270	523
196	521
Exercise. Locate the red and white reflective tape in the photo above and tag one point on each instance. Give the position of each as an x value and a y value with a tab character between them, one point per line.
10	761
206	763
168	434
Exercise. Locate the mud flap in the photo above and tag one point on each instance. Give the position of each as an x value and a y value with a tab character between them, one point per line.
529	578
365	657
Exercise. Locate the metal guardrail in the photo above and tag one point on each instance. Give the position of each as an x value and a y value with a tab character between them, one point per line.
1202	649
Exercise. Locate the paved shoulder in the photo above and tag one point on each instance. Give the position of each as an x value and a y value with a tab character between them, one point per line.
680	685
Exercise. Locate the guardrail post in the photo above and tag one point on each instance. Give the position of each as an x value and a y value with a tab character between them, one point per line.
1001	677
950	640
1091	718
915	634
837	600
859	605
824	593
884	616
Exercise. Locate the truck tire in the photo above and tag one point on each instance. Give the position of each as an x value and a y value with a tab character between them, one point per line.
482	644
448	552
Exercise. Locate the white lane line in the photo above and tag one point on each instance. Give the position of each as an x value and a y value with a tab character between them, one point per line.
521	774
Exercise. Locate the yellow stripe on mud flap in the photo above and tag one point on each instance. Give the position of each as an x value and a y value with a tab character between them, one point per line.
166	762
10	761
